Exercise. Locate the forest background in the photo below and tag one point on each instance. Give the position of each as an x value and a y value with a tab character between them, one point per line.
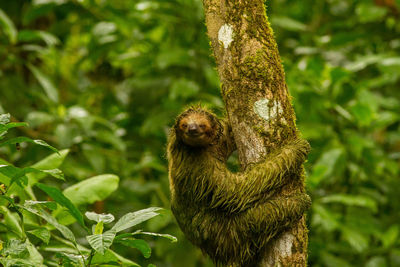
105	80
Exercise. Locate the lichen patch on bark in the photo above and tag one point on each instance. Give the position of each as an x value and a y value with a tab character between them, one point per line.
268	109
225	35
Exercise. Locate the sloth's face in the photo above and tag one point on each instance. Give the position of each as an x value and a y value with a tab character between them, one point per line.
196	130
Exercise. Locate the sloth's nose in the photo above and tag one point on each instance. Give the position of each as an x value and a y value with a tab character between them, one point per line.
193	128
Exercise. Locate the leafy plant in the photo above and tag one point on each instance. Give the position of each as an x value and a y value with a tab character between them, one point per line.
27	229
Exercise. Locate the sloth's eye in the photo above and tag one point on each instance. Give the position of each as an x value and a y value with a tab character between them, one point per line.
184	125
202	126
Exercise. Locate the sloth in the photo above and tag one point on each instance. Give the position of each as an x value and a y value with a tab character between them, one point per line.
230	216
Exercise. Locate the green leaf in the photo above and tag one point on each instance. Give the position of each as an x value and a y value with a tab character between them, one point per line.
363	113
10	262
18	175
41	233
325	166
390	237
357	240
4	118
51	205
93	189
288	23
101	242
34	256
99	228
8	27
46	83
330	260
51	162
30	35
70	260
183	88
43	143
112	257
5	127
15	174
328	220
59	197
56	173
138	244
172	238
369	13
21	139
12	221
16	124
37	210
134	218
46	2
376	261
38	118
352	200
105	218
14	247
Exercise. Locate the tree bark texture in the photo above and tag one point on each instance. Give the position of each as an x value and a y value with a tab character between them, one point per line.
257	101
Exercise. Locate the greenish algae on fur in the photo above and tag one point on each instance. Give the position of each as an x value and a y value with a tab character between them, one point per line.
232	216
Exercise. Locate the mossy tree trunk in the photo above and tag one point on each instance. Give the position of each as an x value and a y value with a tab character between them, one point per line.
257	101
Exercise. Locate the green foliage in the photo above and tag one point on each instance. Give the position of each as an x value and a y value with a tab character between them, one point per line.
103	80
20	249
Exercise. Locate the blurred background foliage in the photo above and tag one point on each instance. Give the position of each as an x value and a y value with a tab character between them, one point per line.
106	79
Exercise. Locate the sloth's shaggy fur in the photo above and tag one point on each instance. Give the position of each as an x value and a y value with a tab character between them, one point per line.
231	216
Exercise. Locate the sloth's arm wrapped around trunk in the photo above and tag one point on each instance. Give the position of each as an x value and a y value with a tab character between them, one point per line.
235	192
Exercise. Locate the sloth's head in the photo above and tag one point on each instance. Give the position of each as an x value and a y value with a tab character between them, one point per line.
197	127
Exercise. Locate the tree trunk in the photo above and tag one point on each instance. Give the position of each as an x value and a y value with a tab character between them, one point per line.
257	101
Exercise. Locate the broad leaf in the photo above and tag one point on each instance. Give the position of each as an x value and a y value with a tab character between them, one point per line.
39	211
105	218
356	239
5	127
46	83
51	205
41	233
390	236
19	175
14	247
101	242
29	36
98	229
170	237
134	218
21	139
4	118
8	27
93	189
111	257
51	162
59	197
352	200
138	244
12	221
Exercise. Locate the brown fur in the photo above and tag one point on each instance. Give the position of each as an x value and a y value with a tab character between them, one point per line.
230	216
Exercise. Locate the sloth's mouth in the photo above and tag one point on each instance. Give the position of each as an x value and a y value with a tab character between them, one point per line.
194	134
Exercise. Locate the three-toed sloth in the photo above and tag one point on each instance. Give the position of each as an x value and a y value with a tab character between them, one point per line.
230	216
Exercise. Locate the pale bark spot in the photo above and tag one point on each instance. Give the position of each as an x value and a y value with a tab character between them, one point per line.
281	248
285	244
250	145
225	35
267	110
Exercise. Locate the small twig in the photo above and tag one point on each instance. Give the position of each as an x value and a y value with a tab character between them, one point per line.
90	257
